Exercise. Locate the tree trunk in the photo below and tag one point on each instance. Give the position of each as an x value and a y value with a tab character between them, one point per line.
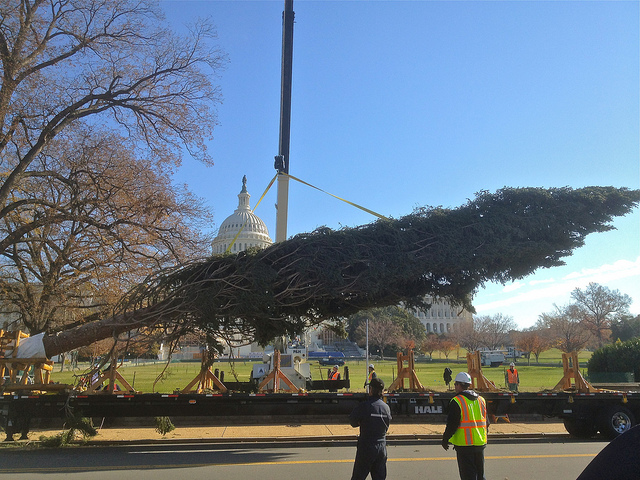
89	333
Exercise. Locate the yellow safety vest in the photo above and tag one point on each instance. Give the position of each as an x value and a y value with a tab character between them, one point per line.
371	376
473	422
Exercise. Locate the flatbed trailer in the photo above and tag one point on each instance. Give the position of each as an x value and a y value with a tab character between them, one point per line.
583	414
585	410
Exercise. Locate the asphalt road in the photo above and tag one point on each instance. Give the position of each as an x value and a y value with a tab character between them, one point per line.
509	459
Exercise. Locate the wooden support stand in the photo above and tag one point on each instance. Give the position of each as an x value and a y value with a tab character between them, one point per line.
276	376
205	380
19	369
115	381
406	372
479	382
571	369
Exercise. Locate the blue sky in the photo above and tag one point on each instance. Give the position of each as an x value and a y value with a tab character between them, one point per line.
411	103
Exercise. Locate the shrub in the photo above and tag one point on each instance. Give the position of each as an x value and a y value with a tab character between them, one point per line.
164	425
617	357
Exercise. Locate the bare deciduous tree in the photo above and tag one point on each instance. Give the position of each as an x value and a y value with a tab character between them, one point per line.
430	344
532	342
468	336
446	347
108	219
597	306
494	329
101	61
566	329
383	332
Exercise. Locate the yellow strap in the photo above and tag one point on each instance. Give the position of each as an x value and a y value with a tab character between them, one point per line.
309	185
265	191
335	196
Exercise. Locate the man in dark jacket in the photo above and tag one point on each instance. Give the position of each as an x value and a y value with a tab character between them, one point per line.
373	417
467	426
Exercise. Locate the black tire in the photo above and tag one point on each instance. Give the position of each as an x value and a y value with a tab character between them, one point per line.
615	420
580	428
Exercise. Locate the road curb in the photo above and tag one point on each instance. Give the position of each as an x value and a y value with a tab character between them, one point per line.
308	441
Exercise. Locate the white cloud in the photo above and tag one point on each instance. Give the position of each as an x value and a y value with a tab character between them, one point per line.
539	296
616	271
514	286
536	282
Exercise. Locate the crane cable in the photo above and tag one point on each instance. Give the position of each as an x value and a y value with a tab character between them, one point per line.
228	250
339	198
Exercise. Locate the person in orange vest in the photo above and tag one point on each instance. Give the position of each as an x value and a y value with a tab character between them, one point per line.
467	426
511	378
333	374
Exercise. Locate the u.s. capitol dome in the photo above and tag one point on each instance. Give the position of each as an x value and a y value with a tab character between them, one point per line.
243	226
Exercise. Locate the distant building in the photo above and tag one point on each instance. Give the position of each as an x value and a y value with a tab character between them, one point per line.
443	318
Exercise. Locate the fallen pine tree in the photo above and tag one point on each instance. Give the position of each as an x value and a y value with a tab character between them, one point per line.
330	274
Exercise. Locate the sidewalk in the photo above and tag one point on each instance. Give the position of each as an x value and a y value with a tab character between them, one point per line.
277	432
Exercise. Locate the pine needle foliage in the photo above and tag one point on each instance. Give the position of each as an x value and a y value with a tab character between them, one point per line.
164	425
74	427
330	274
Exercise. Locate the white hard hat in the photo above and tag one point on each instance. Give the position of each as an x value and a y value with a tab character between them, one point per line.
463	377
371	366
512	364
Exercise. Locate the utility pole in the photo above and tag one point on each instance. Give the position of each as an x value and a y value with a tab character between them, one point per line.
282	159
367	355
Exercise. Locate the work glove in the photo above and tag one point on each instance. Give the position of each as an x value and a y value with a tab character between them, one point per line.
445	444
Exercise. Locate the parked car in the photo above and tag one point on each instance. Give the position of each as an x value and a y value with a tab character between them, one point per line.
331	361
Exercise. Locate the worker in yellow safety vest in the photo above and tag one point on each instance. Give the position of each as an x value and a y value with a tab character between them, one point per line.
371	376
467	426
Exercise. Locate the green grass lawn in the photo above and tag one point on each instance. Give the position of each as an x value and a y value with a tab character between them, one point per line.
142	376
550	356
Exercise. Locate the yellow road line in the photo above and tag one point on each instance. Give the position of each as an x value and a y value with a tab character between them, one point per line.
282	462
566	455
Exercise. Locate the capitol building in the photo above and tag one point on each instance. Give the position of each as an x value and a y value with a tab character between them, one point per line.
443	318
241	230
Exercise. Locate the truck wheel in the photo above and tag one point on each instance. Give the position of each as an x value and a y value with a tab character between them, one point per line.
616	420
580	428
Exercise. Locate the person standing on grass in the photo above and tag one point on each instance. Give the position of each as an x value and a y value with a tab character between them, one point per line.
373	417
467	426
511	378
371	376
